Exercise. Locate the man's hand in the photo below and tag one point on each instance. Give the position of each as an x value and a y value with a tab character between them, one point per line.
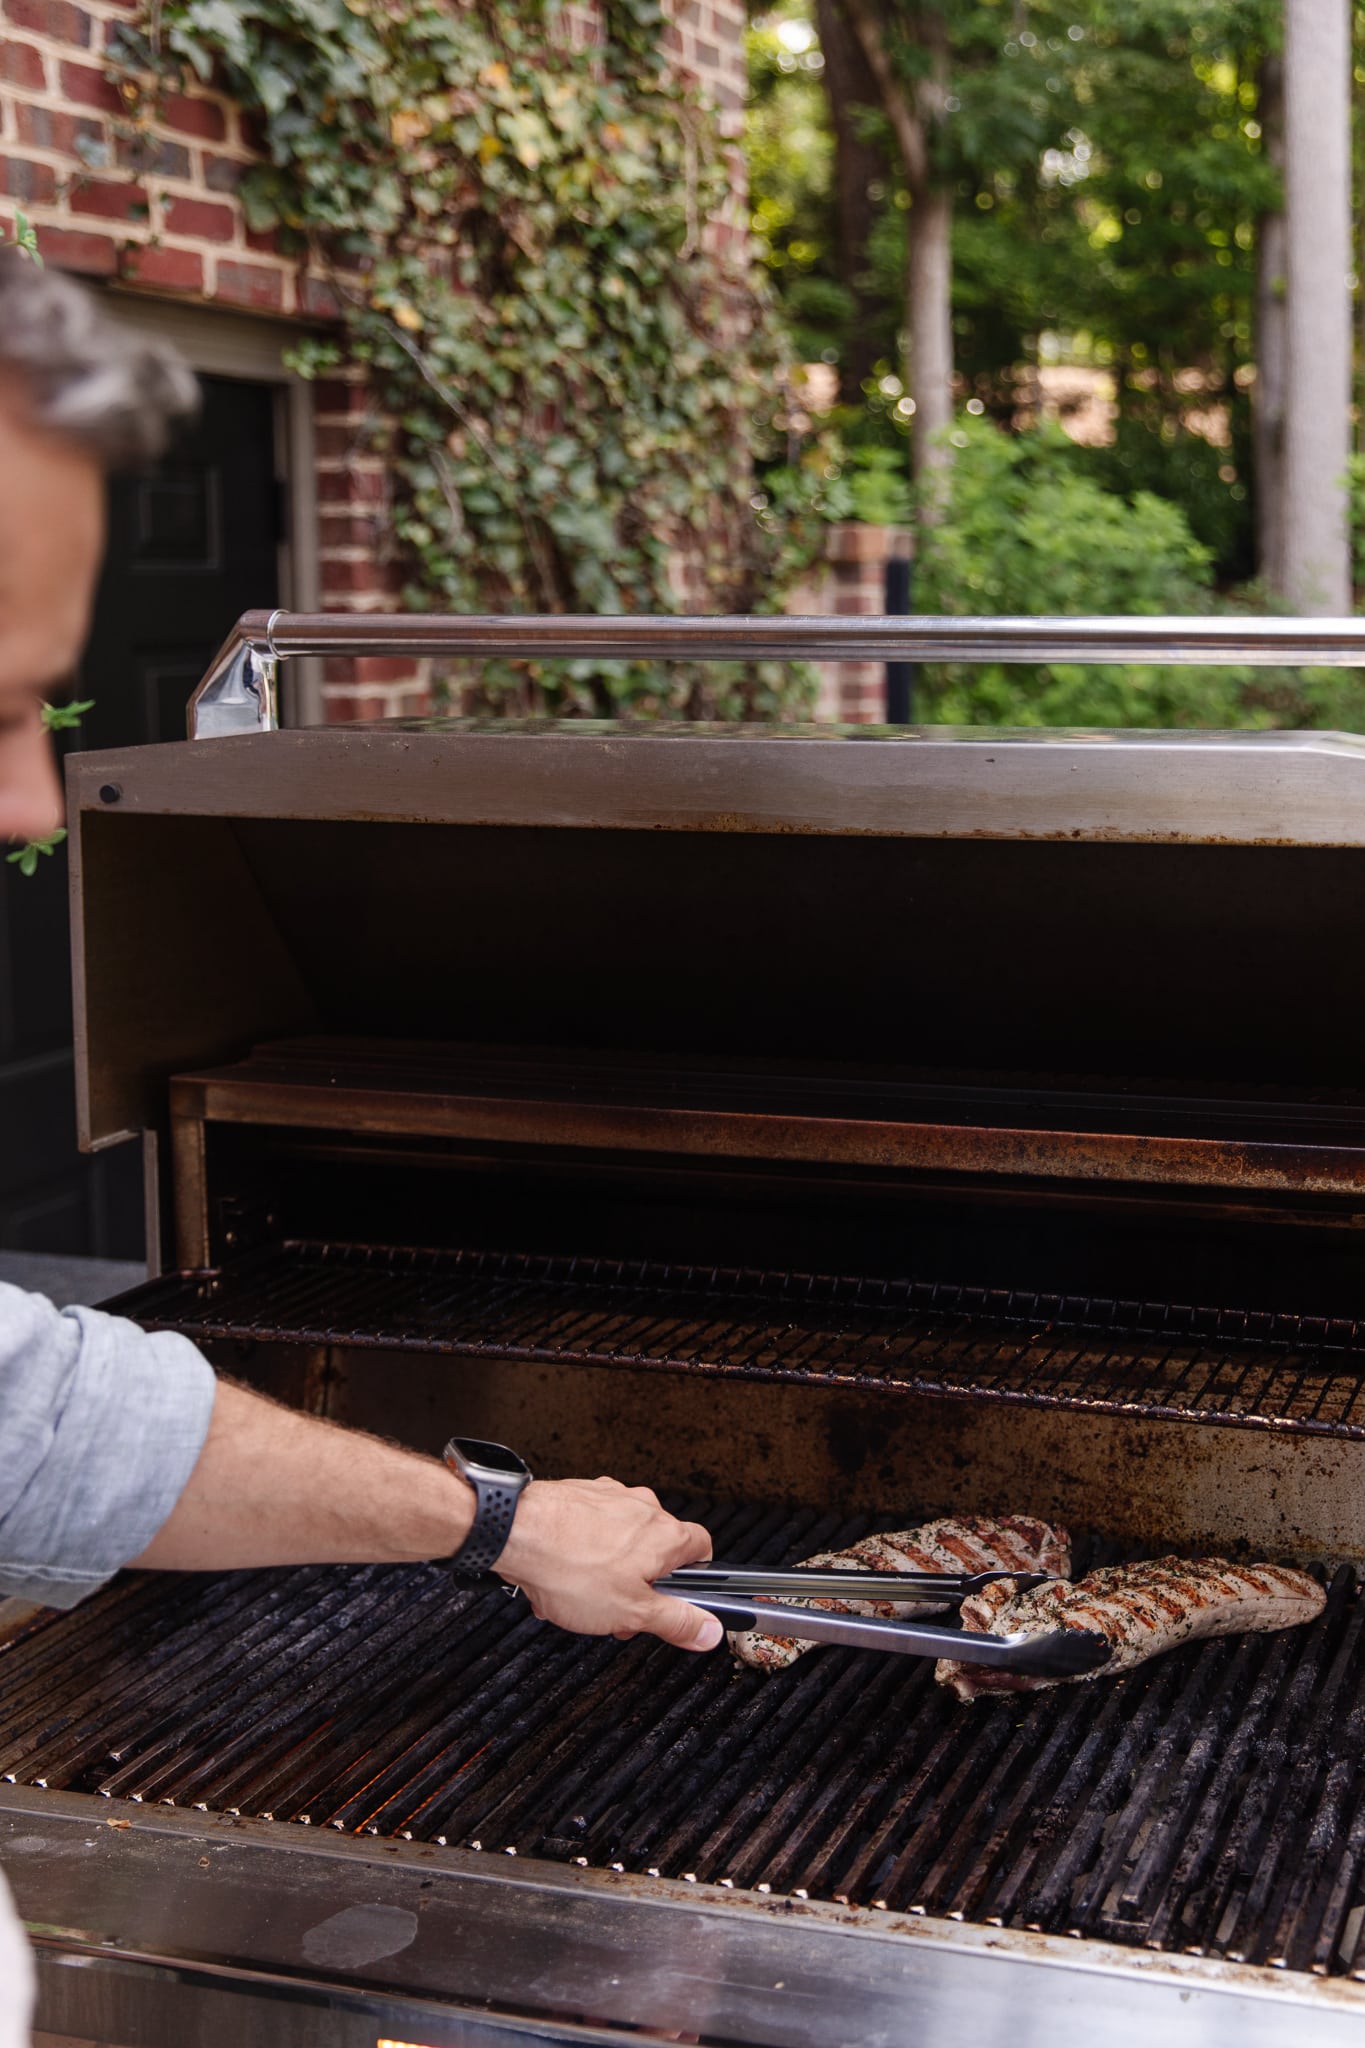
585	1552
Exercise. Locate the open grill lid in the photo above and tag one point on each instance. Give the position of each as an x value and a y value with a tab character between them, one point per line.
1180	905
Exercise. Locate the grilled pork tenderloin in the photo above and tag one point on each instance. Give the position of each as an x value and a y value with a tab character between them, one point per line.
1142	1609
955	1543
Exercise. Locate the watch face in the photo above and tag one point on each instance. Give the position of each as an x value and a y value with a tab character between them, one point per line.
491	1457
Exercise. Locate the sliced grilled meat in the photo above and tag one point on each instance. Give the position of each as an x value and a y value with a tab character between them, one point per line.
955	1543
1142	1609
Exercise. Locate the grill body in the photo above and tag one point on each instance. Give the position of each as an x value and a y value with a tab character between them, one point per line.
834	1132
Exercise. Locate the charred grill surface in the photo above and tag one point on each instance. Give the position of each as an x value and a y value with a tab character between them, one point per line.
1227	1366
1211	1800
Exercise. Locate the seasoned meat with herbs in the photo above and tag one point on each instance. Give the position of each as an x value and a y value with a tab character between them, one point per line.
954	1543
1143	1609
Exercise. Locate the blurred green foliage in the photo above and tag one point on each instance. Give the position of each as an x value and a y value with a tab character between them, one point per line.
1109	172
1026	531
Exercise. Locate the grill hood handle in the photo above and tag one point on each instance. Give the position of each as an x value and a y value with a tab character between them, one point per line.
238	692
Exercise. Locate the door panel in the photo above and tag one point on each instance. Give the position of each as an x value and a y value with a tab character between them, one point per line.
193	543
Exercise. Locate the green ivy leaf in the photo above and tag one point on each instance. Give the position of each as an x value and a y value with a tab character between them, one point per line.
567	403
25	858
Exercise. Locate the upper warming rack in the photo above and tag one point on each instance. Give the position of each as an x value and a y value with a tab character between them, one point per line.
1257	1370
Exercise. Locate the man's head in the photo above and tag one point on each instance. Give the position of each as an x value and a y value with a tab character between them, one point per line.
78	395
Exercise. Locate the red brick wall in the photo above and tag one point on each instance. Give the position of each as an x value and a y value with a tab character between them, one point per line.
182	234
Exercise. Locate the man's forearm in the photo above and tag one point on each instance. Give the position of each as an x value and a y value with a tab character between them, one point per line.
273	1486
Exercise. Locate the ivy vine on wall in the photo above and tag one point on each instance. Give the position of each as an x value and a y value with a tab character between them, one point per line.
578	380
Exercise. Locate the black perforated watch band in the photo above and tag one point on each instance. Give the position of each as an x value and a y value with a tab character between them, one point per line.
495	1503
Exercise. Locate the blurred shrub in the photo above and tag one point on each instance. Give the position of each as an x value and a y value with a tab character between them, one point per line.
1203	481
1027	528
877	486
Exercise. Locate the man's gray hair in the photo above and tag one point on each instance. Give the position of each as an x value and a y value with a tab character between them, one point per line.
109	390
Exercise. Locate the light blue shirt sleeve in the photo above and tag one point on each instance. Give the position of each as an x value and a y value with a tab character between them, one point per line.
100	1428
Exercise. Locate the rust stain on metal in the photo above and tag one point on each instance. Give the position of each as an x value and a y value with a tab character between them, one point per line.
598	1107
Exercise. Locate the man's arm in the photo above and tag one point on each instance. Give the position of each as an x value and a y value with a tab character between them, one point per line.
118	1447
272	1486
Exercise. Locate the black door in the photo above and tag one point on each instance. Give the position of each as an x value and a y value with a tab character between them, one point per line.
193	543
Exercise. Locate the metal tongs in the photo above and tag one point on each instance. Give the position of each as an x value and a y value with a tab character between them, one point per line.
745	1598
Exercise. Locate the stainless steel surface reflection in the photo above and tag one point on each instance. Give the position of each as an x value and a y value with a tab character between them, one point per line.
156	1921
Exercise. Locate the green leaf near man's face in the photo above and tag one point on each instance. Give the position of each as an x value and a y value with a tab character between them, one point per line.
25	858
65	717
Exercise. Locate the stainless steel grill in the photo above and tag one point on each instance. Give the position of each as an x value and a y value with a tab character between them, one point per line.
1213	1801
1254	1369
655	1100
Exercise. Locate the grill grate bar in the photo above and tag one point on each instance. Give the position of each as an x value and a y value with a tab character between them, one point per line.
286	1672
1168	1830
1198	1678
428	1729
1252	1840
1196	1834
1289	1846
131	1662
140	1703
625	1754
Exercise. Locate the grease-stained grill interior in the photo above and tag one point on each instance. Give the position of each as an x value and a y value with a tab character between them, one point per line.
1214	1799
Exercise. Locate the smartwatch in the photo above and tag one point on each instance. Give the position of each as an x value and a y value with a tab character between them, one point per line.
498	1477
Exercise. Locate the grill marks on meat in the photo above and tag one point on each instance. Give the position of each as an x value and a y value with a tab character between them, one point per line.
1142	1609
955	1543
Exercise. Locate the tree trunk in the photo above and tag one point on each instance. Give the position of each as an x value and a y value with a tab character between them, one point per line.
1317	435
1271	337
929	327
912	110
858	165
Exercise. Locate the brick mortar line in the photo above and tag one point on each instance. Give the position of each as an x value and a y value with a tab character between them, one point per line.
192	187
91	57
195	186
63	211
140	234
196	146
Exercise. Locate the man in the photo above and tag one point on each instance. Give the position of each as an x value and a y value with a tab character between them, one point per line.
120	1448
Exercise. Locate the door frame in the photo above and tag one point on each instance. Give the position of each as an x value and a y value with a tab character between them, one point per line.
223	344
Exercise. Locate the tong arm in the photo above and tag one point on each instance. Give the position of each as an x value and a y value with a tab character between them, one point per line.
1061	1653
797	1581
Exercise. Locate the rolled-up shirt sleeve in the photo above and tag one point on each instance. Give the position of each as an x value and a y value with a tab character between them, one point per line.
100	1427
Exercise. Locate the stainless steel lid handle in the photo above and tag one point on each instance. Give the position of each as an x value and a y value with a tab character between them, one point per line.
237	694
240	693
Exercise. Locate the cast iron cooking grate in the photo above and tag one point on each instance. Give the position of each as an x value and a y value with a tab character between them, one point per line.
1212	1800
1227	1366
